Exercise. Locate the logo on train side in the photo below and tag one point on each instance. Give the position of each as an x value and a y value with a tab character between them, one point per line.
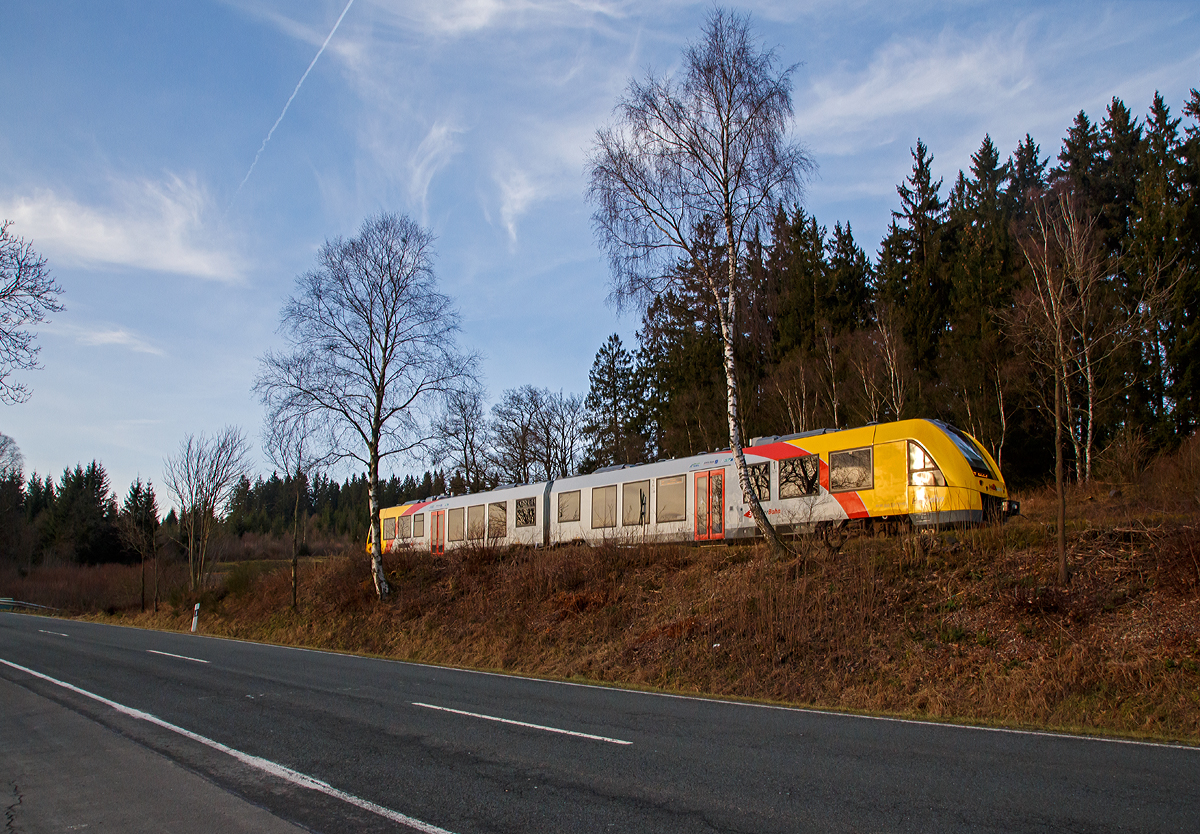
708	464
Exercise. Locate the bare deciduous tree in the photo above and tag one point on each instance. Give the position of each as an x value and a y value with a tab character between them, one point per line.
893	355
561	428
462	435
710	146
202	477
11	459
537	435
289	439
1071	322
27	295
513	435
372	352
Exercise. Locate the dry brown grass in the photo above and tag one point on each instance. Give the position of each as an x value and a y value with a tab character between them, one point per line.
963	625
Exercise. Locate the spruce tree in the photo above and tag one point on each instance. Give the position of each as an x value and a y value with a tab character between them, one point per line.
1155	255
984	272
613	404
850	277
1026	175
915	283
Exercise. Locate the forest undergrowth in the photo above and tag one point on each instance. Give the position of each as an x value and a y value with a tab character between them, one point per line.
958	625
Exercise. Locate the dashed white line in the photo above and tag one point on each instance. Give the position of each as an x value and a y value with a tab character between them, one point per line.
180	656
265	765
522	724
55	633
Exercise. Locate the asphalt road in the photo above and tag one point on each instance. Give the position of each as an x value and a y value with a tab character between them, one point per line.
338	743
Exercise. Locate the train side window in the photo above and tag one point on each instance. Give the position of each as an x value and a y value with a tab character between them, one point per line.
526	512
851	470
604	506
497	525
635	503
568	506
476	521
406	527
799	476
760	481
389	528
672	499
419	526
922	469
454	524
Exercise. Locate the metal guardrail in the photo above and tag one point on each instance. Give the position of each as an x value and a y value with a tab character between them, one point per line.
10	604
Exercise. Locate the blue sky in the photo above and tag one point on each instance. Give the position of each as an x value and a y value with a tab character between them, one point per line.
128	127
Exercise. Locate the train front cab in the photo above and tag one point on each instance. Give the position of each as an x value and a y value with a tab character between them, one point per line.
936	475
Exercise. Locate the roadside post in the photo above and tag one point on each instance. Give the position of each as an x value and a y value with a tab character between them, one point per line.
195	617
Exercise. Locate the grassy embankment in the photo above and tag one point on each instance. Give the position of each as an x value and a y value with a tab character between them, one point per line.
965	625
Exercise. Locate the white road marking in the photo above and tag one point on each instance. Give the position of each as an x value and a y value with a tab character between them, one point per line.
523	724
55	633
265	765
180	656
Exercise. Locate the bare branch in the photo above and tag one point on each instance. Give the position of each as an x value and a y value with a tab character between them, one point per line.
27	295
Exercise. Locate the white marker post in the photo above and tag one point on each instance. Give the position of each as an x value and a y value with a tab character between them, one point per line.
195	617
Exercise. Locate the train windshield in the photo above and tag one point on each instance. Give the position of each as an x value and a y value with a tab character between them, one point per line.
971	452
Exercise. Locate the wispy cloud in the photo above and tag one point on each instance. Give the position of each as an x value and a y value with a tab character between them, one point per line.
105	336
912	76
434	153
456	17
153	225
517	192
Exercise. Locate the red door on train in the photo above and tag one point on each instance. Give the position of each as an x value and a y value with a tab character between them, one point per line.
710	505
437	532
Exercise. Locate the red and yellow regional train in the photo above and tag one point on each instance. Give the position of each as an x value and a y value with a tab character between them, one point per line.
920	472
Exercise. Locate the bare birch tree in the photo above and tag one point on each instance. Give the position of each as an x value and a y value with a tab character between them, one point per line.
709	146
202	477
27	295
893	355
372	351
1044	317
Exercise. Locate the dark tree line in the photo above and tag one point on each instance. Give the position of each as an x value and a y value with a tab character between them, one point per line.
76	519
79	519
267	505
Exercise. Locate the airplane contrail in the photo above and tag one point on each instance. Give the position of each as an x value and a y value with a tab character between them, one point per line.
290	98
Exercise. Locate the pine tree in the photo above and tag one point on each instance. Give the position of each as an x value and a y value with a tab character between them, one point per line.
613	404
984	273
1120	170
1026	176
139	529
850	278
913	281
1079	162
1155	257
